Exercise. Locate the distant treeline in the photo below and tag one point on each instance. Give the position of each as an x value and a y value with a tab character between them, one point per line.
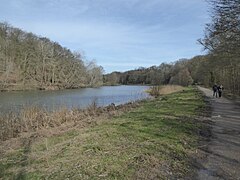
28	61
221	65
183	72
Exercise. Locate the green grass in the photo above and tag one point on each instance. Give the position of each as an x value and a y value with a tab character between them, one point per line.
152	141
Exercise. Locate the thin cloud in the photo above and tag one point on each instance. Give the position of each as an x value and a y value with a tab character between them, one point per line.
136	32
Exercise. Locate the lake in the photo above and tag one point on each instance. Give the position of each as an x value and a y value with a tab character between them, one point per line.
74	98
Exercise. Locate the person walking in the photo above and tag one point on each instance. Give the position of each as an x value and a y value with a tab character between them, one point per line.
215	90
220	89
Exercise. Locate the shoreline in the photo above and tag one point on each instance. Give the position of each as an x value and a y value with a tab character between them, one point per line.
144	134
59	89
44	89
92	111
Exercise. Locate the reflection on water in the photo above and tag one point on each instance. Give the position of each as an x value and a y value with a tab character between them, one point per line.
77	98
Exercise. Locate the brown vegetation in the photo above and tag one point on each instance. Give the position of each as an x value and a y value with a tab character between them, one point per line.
28	61
153	141
32	119
164	90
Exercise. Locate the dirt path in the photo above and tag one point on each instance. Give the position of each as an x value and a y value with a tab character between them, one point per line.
223	149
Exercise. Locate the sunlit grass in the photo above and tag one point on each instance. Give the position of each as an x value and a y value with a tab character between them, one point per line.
154	140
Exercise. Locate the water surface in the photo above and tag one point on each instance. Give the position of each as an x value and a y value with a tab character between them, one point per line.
76	98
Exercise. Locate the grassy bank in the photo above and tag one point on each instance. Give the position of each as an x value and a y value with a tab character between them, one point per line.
154	140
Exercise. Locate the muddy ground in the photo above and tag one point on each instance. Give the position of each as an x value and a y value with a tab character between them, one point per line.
221	152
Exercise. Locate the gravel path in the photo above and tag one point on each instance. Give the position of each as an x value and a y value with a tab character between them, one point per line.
223	149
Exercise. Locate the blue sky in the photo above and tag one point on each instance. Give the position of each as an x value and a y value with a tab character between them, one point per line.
119	34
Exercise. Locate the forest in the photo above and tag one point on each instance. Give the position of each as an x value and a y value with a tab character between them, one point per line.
220	65
28	61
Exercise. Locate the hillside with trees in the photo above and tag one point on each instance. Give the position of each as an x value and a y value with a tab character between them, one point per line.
28	61
221	65
179	73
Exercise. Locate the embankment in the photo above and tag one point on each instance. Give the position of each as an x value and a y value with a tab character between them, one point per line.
151	140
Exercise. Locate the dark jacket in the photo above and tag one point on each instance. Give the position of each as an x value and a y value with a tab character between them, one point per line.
215	88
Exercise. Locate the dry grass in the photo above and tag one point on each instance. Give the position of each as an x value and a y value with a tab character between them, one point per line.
32	119
152	141
164	90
